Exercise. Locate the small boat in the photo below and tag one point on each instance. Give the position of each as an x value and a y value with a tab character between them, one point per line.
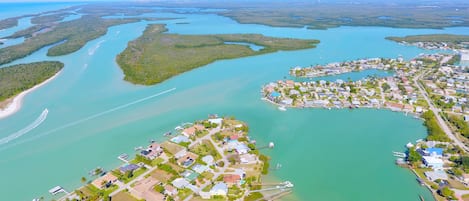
421	198
123	156
138	148
96	171
282	108
409	145
167	133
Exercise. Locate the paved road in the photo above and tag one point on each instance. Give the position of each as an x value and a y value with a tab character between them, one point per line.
222	170
435	110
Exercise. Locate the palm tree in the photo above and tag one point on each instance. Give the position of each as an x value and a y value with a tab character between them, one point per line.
83	180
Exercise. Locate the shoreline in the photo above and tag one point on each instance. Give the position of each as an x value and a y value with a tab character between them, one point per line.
14	104
415	114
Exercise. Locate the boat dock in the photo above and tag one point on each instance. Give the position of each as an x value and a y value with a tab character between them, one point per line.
56	190
123	158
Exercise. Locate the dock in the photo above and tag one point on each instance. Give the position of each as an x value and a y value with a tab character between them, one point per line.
56	190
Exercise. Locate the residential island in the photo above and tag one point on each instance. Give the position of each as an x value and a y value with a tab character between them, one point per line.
211	159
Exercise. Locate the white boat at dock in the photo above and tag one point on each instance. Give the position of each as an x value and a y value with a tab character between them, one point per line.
56	190
282	108
399	154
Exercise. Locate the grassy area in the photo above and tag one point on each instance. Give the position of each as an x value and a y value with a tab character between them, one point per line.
449	38
253	196
161	175
18	78
156	56
206	148
172	148
66	37
465	197
184	193
123	196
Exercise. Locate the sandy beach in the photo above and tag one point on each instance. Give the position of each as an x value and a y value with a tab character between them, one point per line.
14	104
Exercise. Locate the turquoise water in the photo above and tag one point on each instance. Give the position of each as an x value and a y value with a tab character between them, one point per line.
336	155
250	45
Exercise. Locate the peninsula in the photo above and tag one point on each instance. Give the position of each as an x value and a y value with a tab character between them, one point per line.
428	86
211	159
66	37
435	41
17	80
156	56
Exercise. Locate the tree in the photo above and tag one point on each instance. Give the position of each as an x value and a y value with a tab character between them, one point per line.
447	193
83	180
385	87
414	156
130	174
465	162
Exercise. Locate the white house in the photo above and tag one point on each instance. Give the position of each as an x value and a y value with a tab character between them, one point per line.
216	121
219	189
433	162
180	183
208	159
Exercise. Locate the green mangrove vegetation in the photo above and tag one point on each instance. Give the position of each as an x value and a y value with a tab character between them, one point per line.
156	56
30	31
67	36
435	133
9	22
448	38
44	19
328	15
17	78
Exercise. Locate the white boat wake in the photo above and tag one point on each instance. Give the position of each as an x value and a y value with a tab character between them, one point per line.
26	129
93	50
94	116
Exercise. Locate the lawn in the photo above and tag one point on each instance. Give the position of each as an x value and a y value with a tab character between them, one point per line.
171	147
161	175
123	196
206	148
184	193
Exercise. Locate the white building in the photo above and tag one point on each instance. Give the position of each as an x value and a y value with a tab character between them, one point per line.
433	162
219	189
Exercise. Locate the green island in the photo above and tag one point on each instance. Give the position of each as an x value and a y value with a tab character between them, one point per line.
210	159
156	56
324	15
18	78
50	18
67	37
31	31
9	22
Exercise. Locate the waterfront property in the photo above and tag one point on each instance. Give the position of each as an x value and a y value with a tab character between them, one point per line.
209	166
397	93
